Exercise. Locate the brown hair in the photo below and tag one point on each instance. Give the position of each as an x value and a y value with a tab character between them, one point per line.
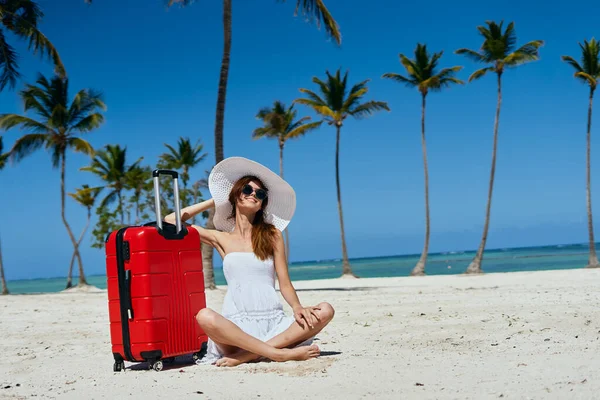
263	233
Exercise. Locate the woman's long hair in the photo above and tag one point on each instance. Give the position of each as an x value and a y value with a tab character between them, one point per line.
263	233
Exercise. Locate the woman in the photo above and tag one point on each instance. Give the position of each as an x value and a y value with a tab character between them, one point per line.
253	206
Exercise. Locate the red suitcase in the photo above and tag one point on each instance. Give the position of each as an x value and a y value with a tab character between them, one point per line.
155	288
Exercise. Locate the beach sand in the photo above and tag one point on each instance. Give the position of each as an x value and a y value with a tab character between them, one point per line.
517	335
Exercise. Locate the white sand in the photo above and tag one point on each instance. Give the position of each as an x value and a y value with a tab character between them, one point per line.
512	336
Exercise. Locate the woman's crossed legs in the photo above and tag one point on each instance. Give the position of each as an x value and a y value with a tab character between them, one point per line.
240	347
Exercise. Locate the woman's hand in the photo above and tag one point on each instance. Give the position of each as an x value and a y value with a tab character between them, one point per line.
306	316
191	211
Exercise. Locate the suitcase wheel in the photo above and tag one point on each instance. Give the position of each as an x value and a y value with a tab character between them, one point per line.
156	365
118	366
198	355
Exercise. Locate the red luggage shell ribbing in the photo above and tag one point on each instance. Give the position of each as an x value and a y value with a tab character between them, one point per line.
155	285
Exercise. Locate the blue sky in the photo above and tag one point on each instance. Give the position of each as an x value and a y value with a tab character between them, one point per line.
158	70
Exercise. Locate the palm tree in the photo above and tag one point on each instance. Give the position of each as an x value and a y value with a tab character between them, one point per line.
109	165
86	196
138	179
498	51
185	157
335	105
314	10
20	18
57	128
279	122
423	75
3	158
588	72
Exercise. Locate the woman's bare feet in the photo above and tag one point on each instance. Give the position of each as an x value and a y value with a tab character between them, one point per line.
296	354
230	361
301	353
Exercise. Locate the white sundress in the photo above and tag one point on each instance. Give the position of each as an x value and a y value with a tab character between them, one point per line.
251	301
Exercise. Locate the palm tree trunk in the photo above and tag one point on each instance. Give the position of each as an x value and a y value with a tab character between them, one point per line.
207	250
62	212
81	236
346	270
475	266
4	286
419	269
207	256
593	258
82	280
194	199
121	207
70	275
287	235
137	209
184	176
223	81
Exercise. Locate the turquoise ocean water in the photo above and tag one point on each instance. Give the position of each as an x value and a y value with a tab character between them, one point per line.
498	260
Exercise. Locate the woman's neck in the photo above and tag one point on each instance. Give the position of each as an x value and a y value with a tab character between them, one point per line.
243	226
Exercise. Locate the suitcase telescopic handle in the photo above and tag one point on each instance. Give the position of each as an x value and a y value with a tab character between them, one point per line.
155	175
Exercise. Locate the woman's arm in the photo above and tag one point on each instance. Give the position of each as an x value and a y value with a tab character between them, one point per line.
301	314
209	236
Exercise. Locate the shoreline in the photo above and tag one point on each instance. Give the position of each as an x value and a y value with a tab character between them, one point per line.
318	283
441	254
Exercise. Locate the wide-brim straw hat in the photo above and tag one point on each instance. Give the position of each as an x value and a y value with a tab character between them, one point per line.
282	198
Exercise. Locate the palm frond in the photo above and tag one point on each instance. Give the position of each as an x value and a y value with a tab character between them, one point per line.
480	73
571	61
88	123
586	78
3	156
400	79
472	55
26	145
31	101
86	196
447	81
261	132
8	64
312	95
109	199
81	146
84	102
56	154
589	57
409	65
449	72
359	87
317	107
369	108
509	38
302	130
9	121
24	25
526	53
263	113
316	11
354	98
589	70
39	98
293	125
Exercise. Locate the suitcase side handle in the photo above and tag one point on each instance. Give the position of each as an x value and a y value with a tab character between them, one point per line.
128	293
155	175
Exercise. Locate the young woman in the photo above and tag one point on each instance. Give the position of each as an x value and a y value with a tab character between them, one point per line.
253	206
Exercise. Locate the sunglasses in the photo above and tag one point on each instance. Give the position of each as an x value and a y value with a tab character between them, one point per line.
260	194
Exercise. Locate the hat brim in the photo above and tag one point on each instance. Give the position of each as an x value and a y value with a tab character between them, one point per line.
282	198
